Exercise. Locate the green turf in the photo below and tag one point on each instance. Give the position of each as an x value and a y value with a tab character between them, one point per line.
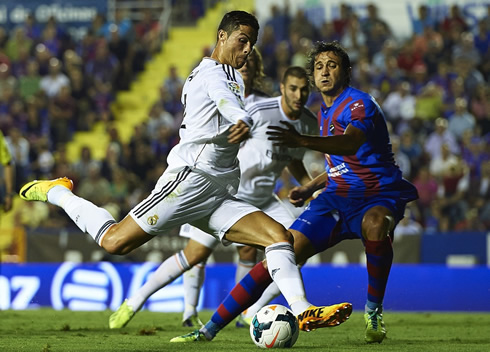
48	331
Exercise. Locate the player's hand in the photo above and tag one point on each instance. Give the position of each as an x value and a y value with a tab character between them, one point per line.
299	195
284	137
238	132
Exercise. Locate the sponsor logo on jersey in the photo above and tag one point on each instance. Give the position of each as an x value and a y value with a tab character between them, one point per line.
152	220
356	105
234	87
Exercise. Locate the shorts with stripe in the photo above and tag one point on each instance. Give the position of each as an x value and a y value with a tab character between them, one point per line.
189	197
274	208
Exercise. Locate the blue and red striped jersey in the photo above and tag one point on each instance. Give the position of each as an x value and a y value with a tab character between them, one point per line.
372	170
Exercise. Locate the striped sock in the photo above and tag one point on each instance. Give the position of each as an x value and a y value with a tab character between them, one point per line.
242	296
379	255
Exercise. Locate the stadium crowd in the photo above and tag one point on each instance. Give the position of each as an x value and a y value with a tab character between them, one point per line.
432	86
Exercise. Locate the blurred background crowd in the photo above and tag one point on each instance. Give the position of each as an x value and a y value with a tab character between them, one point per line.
433	87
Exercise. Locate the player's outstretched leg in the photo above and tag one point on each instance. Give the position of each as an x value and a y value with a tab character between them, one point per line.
325	316
38	190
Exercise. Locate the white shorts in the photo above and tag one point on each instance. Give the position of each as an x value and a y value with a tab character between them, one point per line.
274	208
189	197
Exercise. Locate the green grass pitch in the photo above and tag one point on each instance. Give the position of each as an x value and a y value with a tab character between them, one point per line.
46	330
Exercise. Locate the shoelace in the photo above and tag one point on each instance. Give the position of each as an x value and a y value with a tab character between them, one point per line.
373	316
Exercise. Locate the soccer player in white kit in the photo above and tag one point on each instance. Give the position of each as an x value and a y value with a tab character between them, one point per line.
261	165
202	174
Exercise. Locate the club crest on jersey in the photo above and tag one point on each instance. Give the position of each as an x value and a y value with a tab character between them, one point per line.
152	220
234	87
356	105
331	128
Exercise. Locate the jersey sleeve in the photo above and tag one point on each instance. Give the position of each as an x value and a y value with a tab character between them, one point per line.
5	156
362	112
225	87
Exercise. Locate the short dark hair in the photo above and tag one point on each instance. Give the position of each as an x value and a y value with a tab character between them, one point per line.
295	71
234	19
337	49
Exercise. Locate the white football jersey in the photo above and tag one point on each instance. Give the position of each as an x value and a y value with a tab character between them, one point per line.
213	102
261	163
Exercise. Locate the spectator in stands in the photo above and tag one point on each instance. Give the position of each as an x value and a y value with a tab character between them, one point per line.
62	114
341	22
50	40
19	148
52	83
43	163
443	163
30	83
174	83
461	120
480	107
95	186
401	159
455	19
104	66
408	226
18	43
399	106
453	193
423	20
31	28
86	161
429	103
121	21
427	187
441	135
474	153
353	39
279	22
159	117
481	38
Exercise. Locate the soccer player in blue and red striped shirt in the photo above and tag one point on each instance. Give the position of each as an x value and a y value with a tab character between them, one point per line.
361	183
361	180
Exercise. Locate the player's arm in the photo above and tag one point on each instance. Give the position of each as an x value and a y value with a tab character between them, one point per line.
299	172
346	144
225	88
299	195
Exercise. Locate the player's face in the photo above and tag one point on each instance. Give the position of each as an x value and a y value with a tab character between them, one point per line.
248	71
238	45
295	92
327	73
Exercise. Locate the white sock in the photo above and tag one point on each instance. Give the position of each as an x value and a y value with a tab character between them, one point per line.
167	272
281	263
87	216
242	269
193	280
269	294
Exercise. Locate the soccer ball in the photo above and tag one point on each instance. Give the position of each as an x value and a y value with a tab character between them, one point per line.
274	326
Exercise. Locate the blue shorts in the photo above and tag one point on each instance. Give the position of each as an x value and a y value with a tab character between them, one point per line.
324	229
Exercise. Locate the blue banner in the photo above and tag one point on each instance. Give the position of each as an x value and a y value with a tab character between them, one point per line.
73	13
104	285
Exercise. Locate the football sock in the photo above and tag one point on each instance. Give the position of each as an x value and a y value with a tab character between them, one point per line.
167	272
269	294
379	256
193	280
87	216
243	267
281	263
246	292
